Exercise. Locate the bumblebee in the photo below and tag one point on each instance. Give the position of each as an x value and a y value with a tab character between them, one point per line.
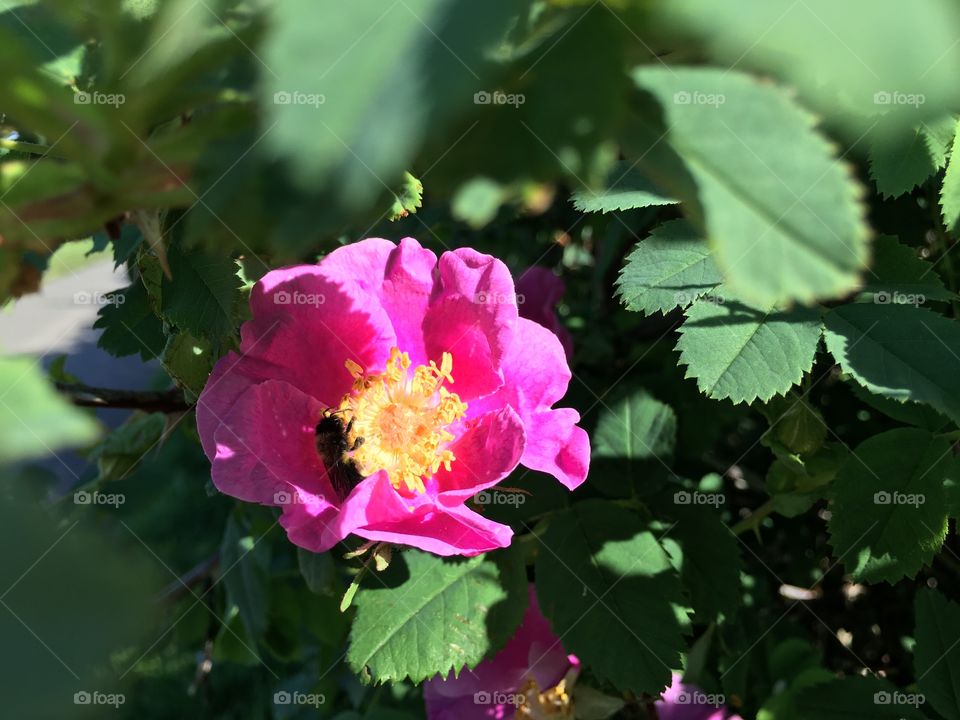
333	446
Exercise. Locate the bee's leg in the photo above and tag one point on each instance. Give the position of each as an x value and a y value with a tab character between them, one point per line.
357	442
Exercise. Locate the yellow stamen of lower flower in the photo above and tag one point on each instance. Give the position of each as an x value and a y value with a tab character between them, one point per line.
403	418
555	702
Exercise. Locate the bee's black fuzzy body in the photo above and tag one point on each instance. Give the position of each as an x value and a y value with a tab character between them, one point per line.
333	445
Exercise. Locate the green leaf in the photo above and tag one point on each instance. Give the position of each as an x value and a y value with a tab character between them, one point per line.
36	420
796	424
706	554
408	198
639	427
610	591
319	53
795	484
129	324
936	656
627	188
318	571
889	509
202	294
244	564
670	268
909	413
740	352
858	698
188	360
898	351
794	665
900	163
477	201
125	447
782	215
822	47
950	192
446	614
898	276
592	704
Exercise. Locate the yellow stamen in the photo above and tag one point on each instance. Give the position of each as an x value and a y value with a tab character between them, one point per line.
555	702
402	419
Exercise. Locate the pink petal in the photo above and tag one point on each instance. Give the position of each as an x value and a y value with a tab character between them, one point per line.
311	521
376	511
230	378
557	446
675	704
536	376
472	316
533	651
487	450
538	292
400	276
266	444
310	325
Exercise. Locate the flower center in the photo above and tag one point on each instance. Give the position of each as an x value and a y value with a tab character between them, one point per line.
555	702
402	416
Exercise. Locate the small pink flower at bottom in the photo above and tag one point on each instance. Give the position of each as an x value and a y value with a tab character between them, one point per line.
688	702
531	677
377	391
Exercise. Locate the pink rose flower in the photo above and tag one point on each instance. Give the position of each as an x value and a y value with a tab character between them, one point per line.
527	670
688	702
427	387
541	291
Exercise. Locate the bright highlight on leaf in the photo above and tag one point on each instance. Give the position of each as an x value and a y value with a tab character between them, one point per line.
777	206
741	352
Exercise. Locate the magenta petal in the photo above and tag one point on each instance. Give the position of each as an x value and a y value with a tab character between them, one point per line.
376	511
536	376
265	444
231	376
310	325
533	651
487	450
558	446
538	292
311	521
678	702
472	316
400	276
